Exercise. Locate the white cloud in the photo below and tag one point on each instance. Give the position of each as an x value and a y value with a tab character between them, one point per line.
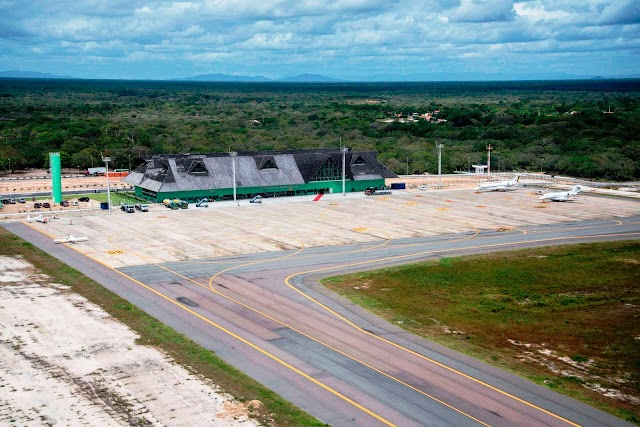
483	11
311	35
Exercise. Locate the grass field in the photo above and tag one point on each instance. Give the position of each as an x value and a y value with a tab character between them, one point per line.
275	410
566	317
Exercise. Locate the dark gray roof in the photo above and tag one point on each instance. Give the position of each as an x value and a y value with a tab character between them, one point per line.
184	172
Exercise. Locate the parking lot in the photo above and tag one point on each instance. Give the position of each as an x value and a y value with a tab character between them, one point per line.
224	228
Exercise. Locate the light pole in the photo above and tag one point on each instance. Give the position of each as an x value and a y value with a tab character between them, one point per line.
233	155
469	160
9	168
489	148
106	160
91	162
440	146
129	162
344	162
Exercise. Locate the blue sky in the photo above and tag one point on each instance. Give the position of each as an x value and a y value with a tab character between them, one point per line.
346	39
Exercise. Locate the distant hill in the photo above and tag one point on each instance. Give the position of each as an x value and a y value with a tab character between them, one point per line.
31	75
223	78
309	78
302	78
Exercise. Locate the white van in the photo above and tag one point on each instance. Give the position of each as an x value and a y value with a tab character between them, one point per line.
423	188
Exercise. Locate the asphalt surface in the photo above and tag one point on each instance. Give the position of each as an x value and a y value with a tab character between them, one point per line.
266	314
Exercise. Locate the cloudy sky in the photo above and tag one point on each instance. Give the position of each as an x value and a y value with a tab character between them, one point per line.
346	39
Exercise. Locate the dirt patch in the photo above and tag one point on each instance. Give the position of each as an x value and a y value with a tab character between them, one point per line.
65	361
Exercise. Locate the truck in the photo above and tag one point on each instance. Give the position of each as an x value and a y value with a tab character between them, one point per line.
372	191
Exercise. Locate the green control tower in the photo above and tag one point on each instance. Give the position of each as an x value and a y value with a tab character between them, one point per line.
56	177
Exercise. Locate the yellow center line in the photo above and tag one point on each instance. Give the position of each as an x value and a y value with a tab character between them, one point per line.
234	335
211	288
398	257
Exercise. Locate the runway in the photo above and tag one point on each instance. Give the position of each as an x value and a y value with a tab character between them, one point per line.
265	314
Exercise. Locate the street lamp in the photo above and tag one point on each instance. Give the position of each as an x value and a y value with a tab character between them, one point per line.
233	155
9	168
344	161
106	160
440	146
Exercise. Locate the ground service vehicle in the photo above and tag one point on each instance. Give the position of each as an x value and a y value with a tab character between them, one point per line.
256	199
375	192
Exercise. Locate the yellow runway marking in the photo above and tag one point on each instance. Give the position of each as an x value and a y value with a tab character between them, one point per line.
287	282
238	337
398	257
212	289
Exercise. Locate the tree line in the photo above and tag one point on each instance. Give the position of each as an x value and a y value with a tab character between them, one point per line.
557	127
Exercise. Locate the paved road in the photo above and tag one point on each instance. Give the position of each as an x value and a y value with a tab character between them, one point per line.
266	314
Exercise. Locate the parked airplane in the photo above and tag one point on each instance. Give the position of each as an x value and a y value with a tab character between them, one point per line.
71	239
561	196
499	185
39	218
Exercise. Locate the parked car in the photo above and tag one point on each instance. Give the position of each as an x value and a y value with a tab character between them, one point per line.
12	201
37	205
422	187
83	199
129	209
21	200
74	204
65	204
256	199
141	207
46	205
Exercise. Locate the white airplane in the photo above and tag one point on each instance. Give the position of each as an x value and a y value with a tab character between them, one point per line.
39	218
499	185
71	239
561	196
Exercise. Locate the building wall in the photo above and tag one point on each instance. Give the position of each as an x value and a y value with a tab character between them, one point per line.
268	191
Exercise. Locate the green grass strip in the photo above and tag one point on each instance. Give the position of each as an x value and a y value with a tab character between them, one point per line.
582	302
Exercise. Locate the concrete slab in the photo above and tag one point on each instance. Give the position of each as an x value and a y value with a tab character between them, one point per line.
161	235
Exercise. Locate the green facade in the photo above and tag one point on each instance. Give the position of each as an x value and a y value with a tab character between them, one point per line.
313	187
56	177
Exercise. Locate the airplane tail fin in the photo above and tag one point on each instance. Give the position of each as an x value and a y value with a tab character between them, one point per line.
575	190
516	179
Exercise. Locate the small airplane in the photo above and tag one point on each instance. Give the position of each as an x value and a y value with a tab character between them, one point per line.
499	185
561	196
71	239
39	218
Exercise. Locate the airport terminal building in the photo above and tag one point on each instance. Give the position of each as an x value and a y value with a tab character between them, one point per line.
192	177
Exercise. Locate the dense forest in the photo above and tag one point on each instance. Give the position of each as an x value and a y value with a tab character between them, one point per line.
559	127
